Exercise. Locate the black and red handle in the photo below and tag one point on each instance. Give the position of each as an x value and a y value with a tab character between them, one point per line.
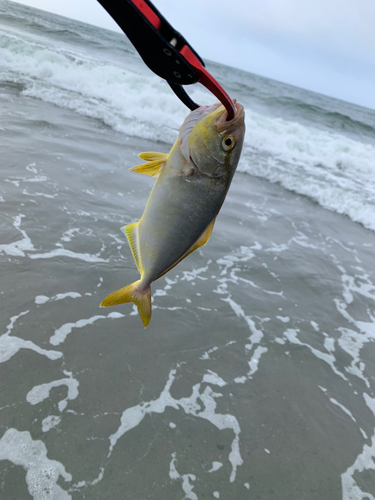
164	50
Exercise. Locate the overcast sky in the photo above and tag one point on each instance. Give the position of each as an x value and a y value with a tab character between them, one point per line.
323	45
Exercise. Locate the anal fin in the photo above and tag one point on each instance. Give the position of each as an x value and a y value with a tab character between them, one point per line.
131	232
202	240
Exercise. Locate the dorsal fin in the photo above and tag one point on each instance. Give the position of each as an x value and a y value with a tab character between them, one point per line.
131	232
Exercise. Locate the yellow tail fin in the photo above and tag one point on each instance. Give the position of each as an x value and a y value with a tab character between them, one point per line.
131	293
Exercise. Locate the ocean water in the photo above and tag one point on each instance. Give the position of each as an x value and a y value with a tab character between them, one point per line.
256	376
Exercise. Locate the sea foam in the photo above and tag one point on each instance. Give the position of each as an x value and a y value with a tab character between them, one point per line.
42	473
331	169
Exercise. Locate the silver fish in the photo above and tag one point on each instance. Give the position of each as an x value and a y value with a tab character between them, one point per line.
192	182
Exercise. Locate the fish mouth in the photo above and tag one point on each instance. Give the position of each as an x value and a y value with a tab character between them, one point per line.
223	124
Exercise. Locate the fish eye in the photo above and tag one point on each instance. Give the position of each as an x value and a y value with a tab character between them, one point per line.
228	142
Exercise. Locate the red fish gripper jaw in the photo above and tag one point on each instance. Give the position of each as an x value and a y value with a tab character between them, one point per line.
164	50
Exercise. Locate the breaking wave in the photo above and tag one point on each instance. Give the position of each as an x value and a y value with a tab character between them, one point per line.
336	171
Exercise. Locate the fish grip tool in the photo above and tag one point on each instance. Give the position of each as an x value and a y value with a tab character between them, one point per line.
164	50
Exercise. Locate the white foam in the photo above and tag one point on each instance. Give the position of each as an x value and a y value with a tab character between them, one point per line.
355	283
62	252
206	355
18	248
134	104
244	254
277	248
60	296
61	333
50	422
44	195
213	378
279	340
133	416
10	345
254	361
41	392
364	461
256	334
345	410
284	319
195	273
352	341
99	478
186	478
335	171
329	358
329	344
215	466
31	168
41	472
240	380
363	433
370	402
68	235
42	299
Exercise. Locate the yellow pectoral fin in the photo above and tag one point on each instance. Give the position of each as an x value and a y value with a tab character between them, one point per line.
152	168
131	232
154	165
152	155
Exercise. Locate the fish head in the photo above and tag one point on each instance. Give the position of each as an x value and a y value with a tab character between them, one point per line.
211	143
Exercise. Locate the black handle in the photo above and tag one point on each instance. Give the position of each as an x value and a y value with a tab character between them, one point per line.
164	50
157	45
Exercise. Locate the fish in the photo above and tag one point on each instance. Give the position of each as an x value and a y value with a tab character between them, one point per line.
192	183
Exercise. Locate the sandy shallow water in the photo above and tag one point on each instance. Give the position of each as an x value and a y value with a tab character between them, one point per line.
255	378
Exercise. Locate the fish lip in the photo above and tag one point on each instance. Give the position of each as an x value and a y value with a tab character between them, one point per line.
208	176
223	124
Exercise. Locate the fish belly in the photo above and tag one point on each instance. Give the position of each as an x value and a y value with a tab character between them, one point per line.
177	213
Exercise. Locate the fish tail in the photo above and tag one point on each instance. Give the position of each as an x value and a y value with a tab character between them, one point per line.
132	293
